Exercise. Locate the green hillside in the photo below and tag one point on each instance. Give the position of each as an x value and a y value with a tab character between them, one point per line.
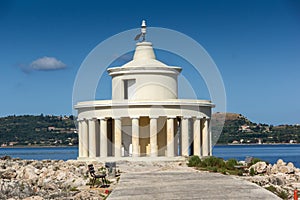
37	130
238	129
51	130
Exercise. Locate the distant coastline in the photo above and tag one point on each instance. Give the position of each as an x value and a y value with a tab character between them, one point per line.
230	144
55	131
251	144
65	146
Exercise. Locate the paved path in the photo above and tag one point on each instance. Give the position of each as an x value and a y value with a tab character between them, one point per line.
184	183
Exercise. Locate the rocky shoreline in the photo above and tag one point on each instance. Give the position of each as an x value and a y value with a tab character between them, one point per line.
57	179
48	179
281	178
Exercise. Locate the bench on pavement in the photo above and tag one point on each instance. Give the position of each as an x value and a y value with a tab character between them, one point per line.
97	176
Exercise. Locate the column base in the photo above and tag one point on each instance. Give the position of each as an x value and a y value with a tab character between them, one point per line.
154	153
135	159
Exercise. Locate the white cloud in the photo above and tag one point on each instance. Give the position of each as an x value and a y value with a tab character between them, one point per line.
47	63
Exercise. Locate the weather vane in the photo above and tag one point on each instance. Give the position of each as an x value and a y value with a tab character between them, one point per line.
143	32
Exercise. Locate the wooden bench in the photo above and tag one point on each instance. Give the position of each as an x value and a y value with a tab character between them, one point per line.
97	176
241	167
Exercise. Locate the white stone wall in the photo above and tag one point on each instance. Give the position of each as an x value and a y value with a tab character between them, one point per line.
159	108
149	86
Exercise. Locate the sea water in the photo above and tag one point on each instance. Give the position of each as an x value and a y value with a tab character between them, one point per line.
41	153
269	153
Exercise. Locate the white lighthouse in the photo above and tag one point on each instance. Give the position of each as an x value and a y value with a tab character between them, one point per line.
144	118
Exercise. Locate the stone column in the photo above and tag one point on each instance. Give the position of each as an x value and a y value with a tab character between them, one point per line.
103	137
185	136
85	139
97	138
80	139
170	137
205	138
153	137
197	137
118	137
92	138
176	137
135	137
210	138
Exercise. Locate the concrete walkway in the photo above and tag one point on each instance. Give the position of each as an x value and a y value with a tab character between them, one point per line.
183	183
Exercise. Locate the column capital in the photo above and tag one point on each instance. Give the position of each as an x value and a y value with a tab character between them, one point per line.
134	117
171	117
116	118
186	117
197	117
102	118
91	119
153	117
80	120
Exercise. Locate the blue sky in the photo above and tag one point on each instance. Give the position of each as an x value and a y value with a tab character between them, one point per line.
255	44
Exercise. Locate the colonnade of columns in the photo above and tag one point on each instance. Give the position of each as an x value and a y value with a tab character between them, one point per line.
94	133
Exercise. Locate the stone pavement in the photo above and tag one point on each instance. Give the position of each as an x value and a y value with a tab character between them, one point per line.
176	181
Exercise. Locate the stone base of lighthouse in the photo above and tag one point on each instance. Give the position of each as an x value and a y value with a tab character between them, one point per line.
141	130
134	159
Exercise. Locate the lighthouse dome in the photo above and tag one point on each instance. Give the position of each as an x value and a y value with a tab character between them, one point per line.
144	77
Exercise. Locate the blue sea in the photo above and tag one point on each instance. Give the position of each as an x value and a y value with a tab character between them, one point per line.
269	153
